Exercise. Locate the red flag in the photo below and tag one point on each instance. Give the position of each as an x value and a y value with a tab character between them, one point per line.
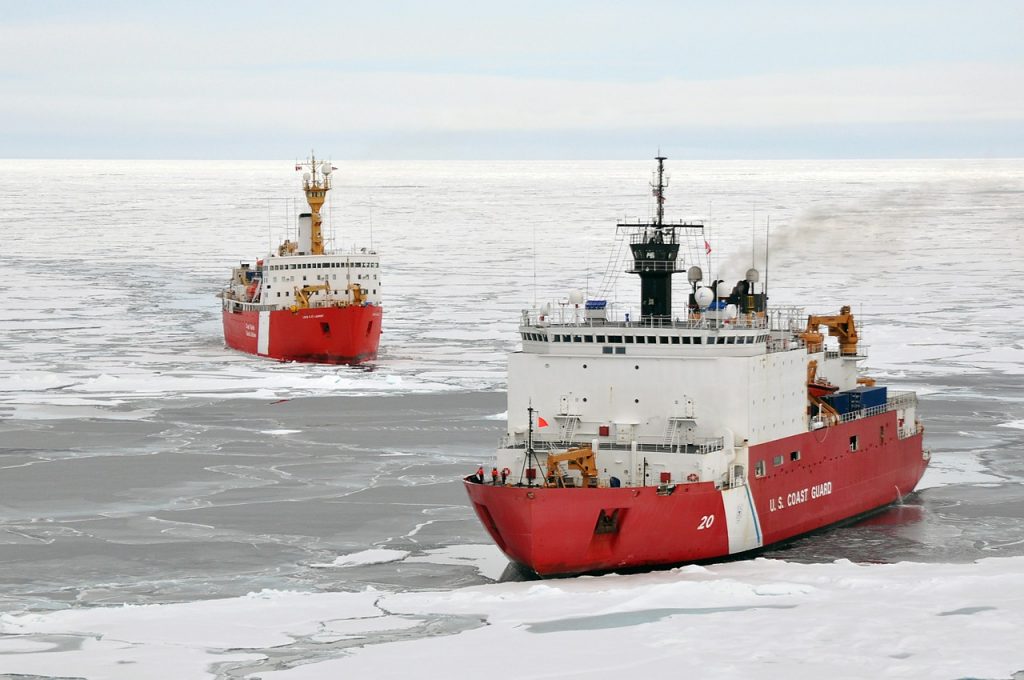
298	167
707	247
541	422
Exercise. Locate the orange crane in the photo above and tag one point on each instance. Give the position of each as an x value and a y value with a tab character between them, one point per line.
581	459
839	326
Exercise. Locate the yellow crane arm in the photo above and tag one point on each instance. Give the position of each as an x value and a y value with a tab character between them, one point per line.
581	459
839	326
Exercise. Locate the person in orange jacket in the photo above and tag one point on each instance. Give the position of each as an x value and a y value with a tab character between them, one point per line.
494	476
480	475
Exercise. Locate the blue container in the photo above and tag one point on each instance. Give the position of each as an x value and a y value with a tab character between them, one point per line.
867	397
596	304
840	401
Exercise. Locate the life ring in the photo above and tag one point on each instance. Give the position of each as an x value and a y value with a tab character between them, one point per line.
505	472
692	477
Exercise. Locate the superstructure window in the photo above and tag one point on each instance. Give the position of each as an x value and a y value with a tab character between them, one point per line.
663	339
759	469
614	338
588	338
620	350
652	339
675	339
794	455
853	443
606	350
777	460
628	339
599	338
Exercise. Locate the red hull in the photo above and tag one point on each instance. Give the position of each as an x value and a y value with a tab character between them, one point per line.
553	530
331	335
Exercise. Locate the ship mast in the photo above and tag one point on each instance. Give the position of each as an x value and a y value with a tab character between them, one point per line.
655	247
658	189
316	182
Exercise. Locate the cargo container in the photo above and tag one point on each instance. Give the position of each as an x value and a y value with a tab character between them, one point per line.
867	397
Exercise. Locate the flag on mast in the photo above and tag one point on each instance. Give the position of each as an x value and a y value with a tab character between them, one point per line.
707	247
541	422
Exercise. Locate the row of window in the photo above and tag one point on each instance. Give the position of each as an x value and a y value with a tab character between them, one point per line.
288	293
333	277
761	468
324	265
650	339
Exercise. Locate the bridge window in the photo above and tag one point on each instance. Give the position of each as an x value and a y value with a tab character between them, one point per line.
599	338
640	339
675	339
663	339
614	338
652	339
588	338
628	339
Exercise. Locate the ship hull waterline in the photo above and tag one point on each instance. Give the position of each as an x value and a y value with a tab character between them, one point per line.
329	335
567	531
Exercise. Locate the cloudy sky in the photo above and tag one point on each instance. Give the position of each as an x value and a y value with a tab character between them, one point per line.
550	79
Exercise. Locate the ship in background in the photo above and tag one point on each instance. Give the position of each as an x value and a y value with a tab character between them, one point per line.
687	434
303	302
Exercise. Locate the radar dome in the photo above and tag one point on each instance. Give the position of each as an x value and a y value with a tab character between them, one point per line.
704	297
694	274
546	309
753	276
325	168
730	311
575	297
305	176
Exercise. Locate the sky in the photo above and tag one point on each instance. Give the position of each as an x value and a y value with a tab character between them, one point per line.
553	79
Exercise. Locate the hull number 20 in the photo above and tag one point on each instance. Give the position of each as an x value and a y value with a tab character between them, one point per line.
705	522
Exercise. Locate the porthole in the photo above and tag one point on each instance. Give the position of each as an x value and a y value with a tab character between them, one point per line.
584	365
636	401
637	367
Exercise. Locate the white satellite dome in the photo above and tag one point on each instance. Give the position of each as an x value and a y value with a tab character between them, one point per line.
731	311
753	276
694	274
575	297
305	176
325	168
704	297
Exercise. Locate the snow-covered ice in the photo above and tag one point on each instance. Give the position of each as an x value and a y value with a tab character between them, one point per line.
759	618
